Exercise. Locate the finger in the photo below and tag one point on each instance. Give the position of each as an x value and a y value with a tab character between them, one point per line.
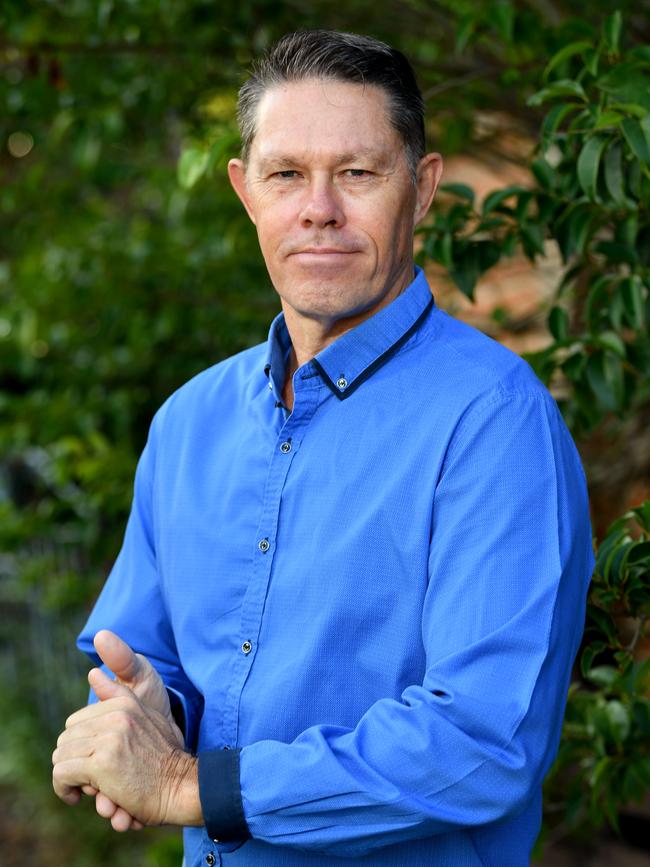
136	826
104	806
89	790
105	687
121	820
126	701
67	777
72	748
118	656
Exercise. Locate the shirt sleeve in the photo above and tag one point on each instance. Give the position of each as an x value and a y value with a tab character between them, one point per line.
510	561
133	587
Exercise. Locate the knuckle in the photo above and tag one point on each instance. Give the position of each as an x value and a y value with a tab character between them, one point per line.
126	702
124	720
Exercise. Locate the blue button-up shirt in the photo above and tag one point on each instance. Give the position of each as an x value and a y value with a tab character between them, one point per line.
372	602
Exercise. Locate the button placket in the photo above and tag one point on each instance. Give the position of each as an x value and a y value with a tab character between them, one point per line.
281	460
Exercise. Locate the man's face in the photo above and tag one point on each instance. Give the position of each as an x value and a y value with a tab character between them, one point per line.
328	187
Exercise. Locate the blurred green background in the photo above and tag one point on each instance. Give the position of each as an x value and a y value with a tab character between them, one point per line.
127	265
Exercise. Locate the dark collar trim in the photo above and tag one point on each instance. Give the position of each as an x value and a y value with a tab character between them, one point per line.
381	359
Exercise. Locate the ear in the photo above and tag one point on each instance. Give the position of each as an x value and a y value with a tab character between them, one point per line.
237	175
428	177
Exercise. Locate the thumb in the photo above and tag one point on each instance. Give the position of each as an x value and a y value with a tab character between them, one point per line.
104	687
118	656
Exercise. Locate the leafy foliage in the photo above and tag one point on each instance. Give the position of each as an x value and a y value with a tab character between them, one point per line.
589	195
604	759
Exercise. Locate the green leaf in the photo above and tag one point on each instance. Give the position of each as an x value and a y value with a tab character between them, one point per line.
610	340
632	108
532	240
589	654
605	376
614	181
634	178
633	302
619	719
472	259
574	366
565	53
192	166
544	174
524	199
637	135
612	31
572	230
503	15
460	190
464	31
608	119
603	623
445	250
589	163
592	61
627	82
641	52
640	551
554	118
565	87
603	675
493	200
558	323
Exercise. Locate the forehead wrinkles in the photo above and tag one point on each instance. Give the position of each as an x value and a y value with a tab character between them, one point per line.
324	122
314	109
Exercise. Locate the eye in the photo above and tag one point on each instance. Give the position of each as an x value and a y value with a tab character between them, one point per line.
357	173
287	174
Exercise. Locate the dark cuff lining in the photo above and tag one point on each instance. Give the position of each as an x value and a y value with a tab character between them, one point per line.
220	793
178	711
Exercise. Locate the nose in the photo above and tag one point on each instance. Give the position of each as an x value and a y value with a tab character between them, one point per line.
322	206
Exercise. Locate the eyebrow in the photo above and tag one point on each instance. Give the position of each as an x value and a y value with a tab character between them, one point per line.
283	160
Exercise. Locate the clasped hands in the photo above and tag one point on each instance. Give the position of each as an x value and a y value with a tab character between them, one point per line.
126	750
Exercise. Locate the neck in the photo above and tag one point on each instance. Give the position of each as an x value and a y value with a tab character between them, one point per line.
310	335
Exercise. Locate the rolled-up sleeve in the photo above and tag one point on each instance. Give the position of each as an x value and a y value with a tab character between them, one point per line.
509	566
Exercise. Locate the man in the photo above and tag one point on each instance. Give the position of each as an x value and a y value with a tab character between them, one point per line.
357	557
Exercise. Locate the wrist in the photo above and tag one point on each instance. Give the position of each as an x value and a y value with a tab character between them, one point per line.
184	803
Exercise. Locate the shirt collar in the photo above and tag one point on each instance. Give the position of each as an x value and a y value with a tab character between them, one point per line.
350	359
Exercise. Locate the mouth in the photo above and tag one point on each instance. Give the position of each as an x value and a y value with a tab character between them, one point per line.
322	255
328	251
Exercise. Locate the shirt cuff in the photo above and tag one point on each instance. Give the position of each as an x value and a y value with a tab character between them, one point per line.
220	793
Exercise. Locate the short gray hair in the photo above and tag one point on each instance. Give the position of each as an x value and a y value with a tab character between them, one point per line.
329	54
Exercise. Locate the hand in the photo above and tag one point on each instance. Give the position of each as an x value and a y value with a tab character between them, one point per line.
130	753
136	672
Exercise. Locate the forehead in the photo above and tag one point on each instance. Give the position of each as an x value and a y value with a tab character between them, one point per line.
321	115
